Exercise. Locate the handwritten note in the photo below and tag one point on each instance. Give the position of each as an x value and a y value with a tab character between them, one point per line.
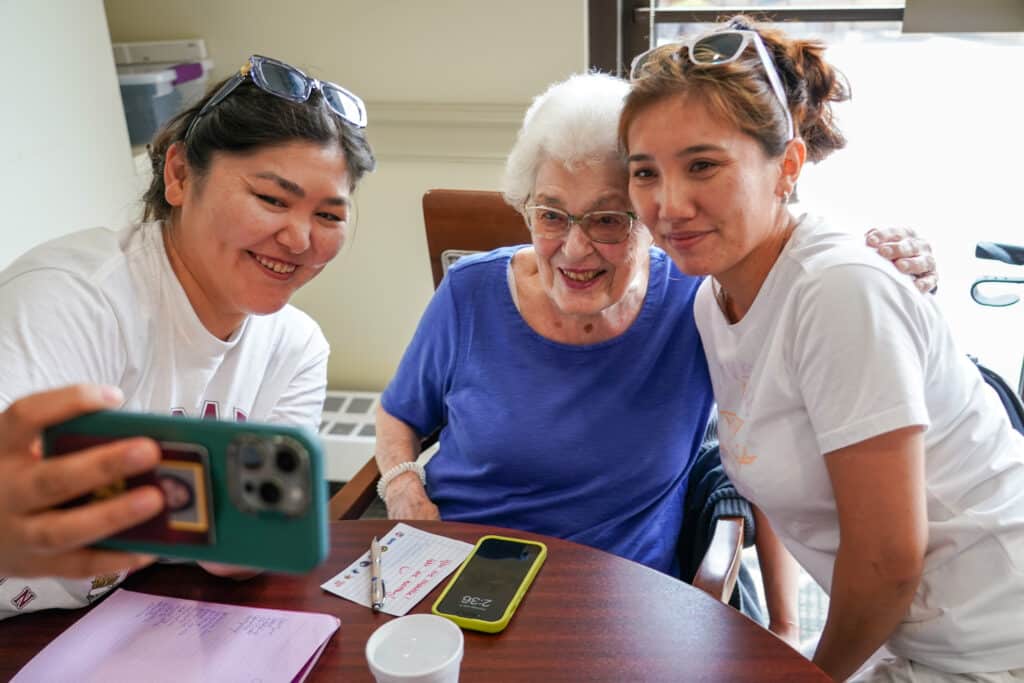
135	636
413	563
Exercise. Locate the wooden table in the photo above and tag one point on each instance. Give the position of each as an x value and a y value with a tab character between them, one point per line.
588	616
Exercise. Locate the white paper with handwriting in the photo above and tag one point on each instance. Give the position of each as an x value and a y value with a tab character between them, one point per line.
413	562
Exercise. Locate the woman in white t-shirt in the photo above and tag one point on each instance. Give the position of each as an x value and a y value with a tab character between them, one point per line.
187	312
881	459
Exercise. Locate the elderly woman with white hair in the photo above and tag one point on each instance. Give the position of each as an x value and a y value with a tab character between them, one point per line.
567	375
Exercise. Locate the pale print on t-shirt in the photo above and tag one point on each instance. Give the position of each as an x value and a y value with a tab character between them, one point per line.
730	423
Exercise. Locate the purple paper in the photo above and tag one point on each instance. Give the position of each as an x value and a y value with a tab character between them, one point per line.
135	636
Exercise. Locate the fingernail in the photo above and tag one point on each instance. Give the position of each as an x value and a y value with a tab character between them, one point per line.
903	267
873	240
112	395
886	251
148	501
141	454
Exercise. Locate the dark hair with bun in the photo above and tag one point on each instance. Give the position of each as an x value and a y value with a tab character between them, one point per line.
247	120
740	92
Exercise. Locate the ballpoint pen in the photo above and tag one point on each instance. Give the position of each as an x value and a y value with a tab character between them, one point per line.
376	579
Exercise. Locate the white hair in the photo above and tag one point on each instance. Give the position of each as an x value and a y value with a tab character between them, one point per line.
575	122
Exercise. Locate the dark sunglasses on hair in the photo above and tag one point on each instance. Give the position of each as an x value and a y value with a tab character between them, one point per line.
721	47
287	82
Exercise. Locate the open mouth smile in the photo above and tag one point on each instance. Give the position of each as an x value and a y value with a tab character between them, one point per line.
580	279
281	268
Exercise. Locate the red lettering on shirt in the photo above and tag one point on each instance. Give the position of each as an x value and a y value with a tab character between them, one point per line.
26	596
211	411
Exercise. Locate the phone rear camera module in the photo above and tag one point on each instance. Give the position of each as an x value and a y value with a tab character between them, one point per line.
286	459
270	474
251	455
270	493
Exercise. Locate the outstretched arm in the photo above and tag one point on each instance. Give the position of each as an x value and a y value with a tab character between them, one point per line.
38	539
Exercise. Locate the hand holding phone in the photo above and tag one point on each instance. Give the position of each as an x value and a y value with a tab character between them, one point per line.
35	538
488	587
236	493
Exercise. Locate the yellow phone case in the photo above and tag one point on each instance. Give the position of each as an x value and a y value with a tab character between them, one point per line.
524	585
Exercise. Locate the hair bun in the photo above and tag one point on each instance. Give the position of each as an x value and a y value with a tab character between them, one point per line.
823	85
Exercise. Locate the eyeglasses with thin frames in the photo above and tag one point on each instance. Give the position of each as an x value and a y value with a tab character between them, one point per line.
722	47
602	227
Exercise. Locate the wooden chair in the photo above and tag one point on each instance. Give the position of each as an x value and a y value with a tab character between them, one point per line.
473	220
468	220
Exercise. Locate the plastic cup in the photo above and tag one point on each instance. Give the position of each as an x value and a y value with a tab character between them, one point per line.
418	648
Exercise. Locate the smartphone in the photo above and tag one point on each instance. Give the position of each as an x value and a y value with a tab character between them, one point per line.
236	492
490	584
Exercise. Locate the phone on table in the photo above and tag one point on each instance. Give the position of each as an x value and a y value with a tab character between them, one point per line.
236	492
490	584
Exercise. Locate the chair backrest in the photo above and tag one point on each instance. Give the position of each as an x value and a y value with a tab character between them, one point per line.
468	220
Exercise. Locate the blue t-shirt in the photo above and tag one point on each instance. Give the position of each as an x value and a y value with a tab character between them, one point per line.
589	443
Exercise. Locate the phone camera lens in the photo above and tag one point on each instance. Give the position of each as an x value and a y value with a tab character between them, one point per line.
270	493
287	459
251	456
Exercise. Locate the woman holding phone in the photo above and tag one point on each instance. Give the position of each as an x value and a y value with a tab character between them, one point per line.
35	538
846	413
187	312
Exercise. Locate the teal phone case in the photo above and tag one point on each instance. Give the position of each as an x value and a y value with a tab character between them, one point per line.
222	513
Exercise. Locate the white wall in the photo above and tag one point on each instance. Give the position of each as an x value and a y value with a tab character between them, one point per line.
446	83
65	162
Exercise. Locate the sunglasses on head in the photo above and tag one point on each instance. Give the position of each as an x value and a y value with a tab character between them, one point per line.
287	82
722	47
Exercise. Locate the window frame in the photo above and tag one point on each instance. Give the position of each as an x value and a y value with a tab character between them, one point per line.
618	30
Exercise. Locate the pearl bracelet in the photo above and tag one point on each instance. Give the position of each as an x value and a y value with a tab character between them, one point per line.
400	468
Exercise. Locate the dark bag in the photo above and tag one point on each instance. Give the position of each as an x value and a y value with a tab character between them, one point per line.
1011	402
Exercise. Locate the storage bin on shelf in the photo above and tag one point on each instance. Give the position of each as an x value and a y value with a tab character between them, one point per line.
149	99
154	92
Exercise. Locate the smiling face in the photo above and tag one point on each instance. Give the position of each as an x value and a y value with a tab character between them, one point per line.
253	230
707	191
580	277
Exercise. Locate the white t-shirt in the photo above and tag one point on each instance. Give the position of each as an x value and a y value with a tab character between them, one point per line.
105	307
837	348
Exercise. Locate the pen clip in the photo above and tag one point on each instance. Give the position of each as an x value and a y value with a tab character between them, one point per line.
377	588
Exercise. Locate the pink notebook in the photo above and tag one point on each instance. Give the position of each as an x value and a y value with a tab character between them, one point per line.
139	637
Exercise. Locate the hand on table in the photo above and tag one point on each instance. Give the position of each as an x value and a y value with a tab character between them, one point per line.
35	538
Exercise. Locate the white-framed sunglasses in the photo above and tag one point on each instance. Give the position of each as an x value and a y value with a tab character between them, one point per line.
722	47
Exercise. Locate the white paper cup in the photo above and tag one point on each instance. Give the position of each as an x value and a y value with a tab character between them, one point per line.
418	648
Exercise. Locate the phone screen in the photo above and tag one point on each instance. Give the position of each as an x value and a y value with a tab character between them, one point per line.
490	580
